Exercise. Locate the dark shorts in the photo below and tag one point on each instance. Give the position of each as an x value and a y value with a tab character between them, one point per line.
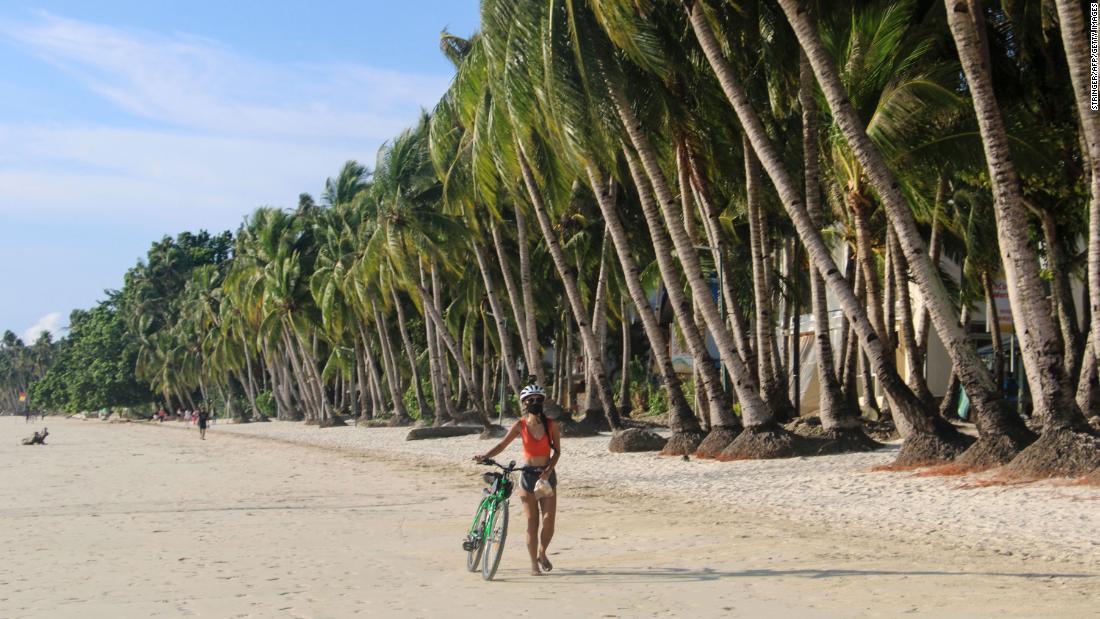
527	481
202	425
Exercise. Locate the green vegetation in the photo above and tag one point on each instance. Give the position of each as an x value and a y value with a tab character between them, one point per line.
94	366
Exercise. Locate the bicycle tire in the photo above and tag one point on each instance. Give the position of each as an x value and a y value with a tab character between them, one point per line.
473	557
494	541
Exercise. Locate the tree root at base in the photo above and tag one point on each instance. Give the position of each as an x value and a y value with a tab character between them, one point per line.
717	439
1062	453
761	443
683	443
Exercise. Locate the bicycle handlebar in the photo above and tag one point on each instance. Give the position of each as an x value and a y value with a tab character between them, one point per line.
511	466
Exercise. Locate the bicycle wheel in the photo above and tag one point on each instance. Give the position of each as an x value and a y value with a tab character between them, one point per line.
473	556
494	541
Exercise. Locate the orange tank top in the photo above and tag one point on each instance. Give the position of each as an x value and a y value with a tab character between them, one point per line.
532	447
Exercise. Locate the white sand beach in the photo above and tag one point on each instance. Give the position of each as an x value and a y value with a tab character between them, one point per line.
282	520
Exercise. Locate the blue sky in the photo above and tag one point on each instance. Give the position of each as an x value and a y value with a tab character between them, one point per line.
123	121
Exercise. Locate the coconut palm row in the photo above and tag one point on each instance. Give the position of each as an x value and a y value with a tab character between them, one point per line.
20	366
720	167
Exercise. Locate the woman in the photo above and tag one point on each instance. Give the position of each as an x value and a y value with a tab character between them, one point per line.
541	448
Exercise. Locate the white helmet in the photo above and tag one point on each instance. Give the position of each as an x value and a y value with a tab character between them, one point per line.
530	390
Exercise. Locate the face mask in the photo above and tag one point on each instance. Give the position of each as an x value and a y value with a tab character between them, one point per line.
534	407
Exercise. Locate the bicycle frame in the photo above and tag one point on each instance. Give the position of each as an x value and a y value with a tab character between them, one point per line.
494	496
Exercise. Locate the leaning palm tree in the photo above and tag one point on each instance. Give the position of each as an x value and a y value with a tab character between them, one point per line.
409	225
1004	433
929	440
1040	344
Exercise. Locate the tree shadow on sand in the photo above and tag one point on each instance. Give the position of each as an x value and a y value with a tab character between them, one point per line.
675	574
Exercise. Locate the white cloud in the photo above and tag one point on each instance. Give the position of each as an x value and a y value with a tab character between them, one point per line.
50	322
229	133
197	83
176	179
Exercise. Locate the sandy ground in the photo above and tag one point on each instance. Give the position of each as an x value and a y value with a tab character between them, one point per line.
133	520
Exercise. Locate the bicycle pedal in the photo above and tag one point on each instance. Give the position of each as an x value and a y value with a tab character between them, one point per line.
469	545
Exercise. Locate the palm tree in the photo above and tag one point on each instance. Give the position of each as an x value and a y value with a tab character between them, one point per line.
929	440
1075	42
1040	344
838	419
1004	434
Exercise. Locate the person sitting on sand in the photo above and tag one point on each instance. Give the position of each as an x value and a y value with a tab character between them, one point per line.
38	438
203	417
541	448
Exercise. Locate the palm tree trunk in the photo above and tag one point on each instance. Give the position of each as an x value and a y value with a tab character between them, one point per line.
309	359
850	275
566	391
624	385
851	349
908	334
865	259
308	396
295	379
1061	292
770	389
410	353
1088	385
1075	41
456	352
713	228
378	405
937	441
935	247
718	403
837	418
994	329
688	207
565	272
487	370
949	406
515	298
280	386
250	385
599	327
686	432
360	400
762	438
528	297
1040	343
434	365
890	290
389	366
440	343
507	353
559	339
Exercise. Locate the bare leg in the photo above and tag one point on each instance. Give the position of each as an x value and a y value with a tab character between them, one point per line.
531	510
549	507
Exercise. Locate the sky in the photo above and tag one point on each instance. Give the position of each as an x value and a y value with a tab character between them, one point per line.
124	121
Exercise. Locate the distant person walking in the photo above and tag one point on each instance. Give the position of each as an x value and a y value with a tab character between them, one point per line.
26	415
204	417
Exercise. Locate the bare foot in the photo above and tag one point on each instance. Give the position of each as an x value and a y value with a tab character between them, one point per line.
545	563
535	571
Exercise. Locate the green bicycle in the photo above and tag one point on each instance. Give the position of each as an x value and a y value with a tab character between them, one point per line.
484	541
